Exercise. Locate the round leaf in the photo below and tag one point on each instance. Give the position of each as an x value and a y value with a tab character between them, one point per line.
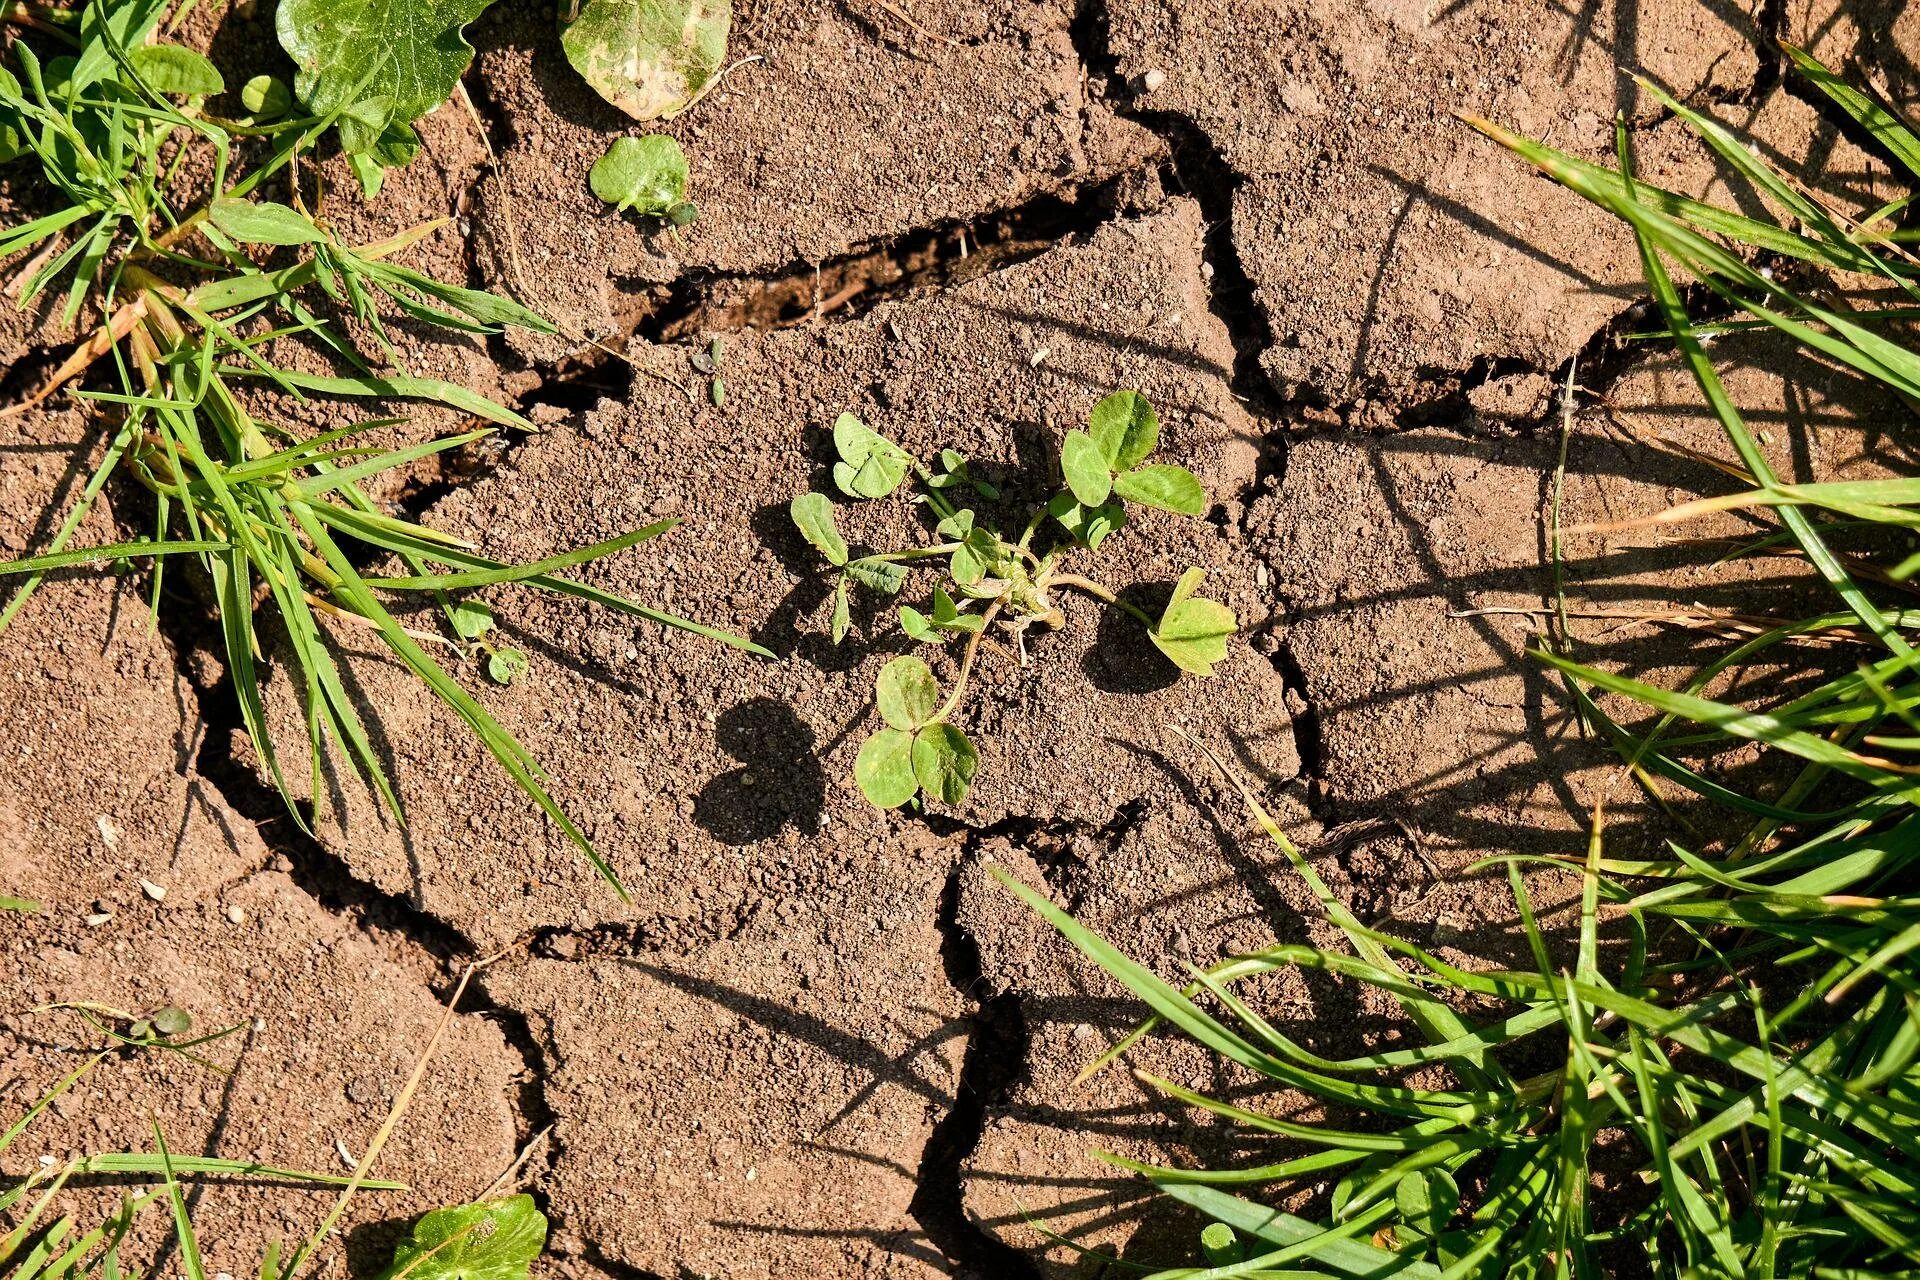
494	1240
647	175
908	694
504	666
172	1021
1126	429
1085	468
813	516
870	466
1169	488
471	619
407	53
176	69
650	58
266	97
884	769
944	762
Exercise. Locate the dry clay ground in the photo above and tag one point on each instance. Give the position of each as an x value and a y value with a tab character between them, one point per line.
823	1042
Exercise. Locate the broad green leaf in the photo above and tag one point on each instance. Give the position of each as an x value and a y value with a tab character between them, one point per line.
406	54
907	693
1426	1199
176	69
647	175
264	222
471	618
884	769
915	624
1089	525
966	565
1126	429
495	1240
266	97
1193	631
504	666
1165	486
944	762
813	515
870	466
1085	467
877	575
650	58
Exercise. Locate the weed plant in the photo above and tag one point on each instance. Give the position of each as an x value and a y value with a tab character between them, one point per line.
187	285
1747	1057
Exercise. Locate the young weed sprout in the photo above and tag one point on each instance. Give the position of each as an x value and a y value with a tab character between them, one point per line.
185	317
992	579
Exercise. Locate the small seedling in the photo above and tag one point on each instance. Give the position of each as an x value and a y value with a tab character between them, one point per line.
992	580
646	175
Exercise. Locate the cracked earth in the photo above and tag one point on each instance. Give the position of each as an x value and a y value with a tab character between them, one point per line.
822	1041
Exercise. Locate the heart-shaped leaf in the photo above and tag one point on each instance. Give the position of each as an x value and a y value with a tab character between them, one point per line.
884	769
1162	485
813	516
1085	466
1089	525
870	466
407	53
504	666
1126	429
647	175
471	619
944	762
496	1240
650	58
907	693
1194	631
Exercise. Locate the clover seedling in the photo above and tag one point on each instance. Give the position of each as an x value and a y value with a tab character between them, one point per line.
993	581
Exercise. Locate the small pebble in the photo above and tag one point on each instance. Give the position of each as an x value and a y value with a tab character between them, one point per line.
236	914
158	892
1152	81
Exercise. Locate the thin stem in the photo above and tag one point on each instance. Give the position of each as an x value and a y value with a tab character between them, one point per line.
1099	592
966	661
920	553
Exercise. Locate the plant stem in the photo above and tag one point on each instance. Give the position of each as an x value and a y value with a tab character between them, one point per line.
1099	592
966	661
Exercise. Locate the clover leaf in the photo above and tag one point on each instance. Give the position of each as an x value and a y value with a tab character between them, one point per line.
647	175
917	751
870	466
493	1240
1193	631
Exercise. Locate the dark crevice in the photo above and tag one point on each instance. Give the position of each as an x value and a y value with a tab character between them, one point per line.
1308	736
996	1051
1198	168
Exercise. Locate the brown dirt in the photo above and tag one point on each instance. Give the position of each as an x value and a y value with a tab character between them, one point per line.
823	1041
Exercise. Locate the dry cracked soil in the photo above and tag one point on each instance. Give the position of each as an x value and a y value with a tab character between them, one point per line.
822	1040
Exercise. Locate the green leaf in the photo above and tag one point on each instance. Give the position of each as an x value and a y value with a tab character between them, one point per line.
404	55
884	769
471	618
842	612
266	97
966	565
1126	428
915	624
870	466
1089	525
1162	485
813	516
172	1021
1426	1200
650	58
1193	631
496	1240
907	693
944	762
176	69
647	175
878	575
504	666
263	222
25	906
1085	466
